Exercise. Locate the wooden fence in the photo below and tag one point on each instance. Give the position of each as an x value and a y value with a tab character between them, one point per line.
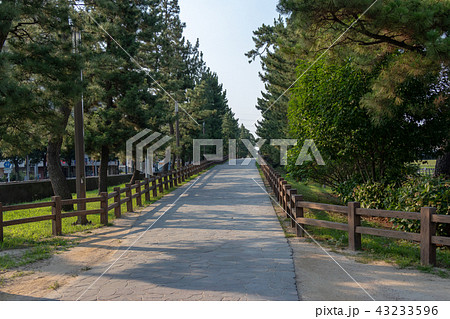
426	171
293	204
154	185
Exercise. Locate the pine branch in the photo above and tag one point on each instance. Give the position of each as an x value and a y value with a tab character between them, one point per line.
381	38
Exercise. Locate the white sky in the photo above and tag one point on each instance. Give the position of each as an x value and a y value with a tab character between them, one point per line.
225	29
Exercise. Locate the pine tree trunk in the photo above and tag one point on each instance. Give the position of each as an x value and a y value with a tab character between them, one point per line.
443	165
103	176
57	178
135	176
4	35
45	168
16	169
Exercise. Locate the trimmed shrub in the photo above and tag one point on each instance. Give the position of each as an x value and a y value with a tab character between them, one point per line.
410	196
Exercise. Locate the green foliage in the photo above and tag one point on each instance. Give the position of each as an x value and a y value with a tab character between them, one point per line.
40	73
244	134
326	107
389	26
230	126
124	92
208	103
273	45
410	196
400	57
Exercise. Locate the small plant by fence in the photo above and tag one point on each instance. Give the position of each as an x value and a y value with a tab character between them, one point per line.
155	185
293	204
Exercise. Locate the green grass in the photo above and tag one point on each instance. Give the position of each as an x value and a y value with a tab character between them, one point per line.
400	252
311	192
38	236
426	163
36	251
403	253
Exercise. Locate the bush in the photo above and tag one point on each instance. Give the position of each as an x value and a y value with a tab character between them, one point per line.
410	196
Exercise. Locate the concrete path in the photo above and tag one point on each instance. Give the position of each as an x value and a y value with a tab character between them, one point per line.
220	240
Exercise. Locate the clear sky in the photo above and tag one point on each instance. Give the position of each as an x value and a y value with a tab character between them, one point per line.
225	29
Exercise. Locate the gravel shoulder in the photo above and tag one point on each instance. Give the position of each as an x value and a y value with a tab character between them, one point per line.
319	277
326	275
35	281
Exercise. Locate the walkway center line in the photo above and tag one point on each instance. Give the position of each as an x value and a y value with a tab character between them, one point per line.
143	233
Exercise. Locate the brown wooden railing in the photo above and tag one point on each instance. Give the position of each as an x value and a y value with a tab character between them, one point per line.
155	185
293	204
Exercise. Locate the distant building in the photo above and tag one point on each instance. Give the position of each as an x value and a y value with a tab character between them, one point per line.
38	171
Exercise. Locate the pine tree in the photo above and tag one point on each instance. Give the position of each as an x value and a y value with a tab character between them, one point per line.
411	34
244	134
273	45
207	102
230	129
118	98
40	63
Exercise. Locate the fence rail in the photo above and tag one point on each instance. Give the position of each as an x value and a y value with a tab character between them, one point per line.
426	171
141	188
293	205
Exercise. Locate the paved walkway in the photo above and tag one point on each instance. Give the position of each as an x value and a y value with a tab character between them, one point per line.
220	240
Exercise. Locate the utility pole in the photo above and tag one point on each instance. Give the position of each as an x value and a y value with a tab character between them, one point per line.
178	134
79	140
204	136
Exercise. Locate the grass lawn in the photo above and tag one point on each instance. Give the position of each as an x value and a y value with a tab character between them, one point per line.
400	252
38	236
426	163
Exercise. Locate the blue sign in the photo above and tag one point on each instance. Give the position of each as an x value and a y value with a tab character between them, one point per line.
7	164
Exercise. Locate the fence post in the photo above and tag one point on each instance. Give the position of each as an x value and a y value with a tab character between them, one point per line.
138	192
56	212
104	208
287	187
166	183
298	213
183	170
291	206
427	231
1	222
161	184
175	178
171	179
279	190
118	209
155	190
130	199
354	239
147	189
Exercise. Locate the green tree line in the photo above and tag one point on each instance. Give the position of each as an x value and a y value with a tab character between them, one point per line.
130	62
370	89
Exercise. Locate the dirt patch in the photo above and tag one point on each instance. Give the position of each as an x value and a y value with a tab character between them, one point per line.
319	277
34	281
